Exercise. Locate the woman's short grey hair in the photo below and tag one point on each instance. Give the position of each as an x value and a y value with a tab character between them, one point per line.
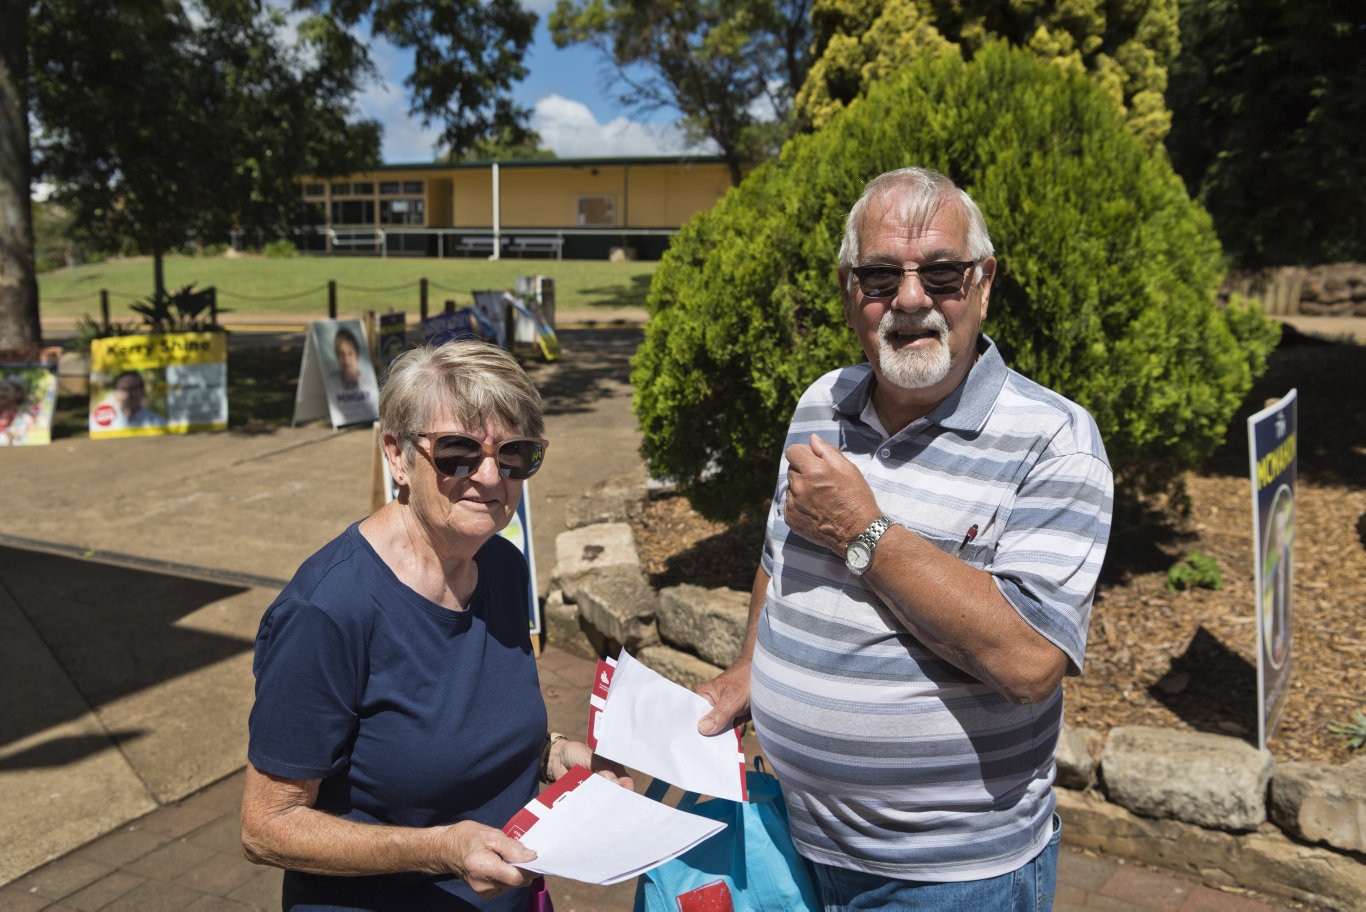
921	193
475	383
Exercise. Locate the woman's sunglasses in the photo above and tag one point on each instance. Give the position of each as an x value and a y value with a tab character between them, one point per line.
458	455
944	278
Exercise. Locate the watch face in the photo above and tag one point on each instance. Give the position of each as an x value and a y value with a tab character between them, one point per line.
859	556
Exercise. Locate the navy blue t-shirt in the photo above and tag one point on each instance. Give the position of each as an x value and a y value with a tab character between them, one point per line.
411	714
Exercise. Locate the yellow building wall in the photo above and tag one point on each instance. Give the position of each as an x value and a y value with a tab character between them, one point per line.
645	195
666	196
472	192
549	197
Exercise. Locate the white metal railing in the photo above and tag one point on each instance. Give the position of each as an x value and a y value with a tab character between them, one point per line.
358	237
479	240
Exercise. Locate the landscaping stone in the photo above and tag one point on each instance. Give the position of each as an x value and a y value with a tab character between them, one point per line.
1324	804
710	623
1209	780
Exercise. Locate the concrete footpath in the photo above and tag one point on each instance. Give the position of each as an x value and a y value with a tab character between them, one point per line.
132	577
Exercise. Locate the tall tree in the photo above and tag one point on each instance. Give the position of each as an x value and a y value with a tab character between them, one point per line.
159	128
728	67
467	56
1126	48
19	326
166	90
504	147
1268	100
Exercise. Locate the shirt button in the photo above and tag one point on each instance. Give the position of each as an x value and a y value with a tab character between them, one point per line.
886	453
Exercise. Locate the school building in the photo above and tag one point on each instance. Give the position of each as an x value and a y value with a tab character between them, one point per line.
564	208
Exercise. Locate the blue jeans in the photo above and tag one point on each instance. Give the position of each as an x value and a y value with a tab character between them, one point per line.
1029	888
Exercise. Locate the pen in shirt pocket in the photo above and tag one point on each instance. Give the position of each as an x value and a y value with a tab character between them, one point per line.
968	536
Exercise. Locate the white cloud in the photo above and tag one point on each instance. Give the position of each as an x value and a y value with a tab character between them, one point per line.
405	140
570	130
566	126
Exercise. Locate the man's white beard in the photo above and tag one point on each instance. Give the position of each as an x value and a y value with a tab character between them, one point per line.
913	368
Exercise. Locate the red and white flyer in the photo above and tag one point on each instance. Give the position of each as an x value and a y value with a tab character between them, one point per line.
590	829
648	723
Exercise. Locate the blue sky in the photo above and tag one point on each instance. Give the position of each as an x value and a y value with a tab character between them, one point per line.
572	111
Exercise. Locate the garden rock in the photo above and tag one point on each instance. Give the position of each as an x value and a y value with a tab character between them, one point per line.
1324	804
1076	757
708	622
679	667
591	549
1209	780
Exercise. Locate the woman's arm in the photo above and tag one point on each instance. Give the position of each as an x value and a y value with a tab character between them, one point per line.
282	828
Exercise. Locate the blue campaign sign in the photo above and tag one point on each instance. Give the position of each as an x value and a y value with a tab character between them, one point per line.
1273	441
466	323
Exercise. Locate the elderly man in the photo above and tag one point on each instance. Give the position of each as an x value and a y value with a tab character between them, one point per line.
926	582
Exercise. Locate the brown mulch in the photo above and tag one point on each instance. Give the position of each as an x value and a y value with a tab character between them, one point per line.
1187	659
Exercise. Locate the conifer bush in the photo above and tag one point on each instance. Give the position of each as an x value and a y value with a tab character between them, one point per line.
1105	288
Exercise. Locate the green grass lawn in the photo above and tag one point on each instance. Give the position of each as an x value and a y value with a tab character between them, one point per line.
261	381
299	285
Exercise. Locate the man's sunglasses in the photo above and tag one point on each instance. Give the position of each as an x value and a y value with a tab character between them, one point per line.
458	455
883	281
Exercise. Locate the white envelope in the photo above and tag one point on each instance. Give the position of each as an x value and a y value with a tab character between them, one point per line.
649	723
589	829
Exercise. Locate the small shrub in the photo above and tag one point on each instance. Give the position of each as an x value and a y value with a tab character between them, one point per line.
184	310
1353	732
88	330
280	250
1195	572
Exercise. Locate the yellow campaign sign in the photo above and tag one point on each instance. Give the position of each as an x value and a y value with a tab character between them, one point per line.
169	383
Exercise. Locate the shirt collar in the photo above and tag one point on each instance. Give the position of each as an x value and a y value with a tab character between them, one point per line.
965	409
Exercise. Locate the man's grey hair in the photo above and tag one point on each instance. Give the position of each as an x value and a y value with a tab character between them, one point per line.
921	193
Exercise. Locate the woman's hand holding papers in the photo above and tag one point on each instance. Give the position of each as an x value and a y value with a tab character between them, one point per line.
485	858
566	754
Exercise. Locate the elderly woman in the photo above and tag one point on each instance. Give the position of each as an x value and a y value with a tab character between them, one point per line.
398	721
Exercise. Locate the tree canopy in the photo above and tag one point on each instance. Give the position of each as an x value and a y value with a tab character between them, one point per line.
1126	48
728	68
160	129
165	119
1269	121
467	55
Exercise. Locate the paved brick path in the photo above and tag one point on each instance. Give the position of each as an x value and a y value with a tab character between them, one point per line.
187	856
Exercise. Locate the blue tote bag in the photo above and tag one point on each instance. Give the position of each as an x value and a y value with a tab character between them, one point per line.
750	866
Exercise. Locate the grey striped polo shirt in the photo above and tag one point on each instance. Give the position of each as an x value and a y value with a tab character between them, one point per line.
893	761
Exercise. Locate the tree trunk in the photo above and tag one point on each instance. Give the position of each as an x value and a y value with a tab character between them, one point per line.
19	324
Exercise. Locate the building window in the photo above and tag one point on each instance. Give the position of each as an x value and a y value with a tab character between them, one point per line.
388	188
353	212
412	186
363	188
341	189
597	210
401	212
315	189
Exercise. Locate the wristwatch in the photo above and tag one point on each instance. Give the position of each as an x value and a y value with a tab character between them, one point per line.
859	556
